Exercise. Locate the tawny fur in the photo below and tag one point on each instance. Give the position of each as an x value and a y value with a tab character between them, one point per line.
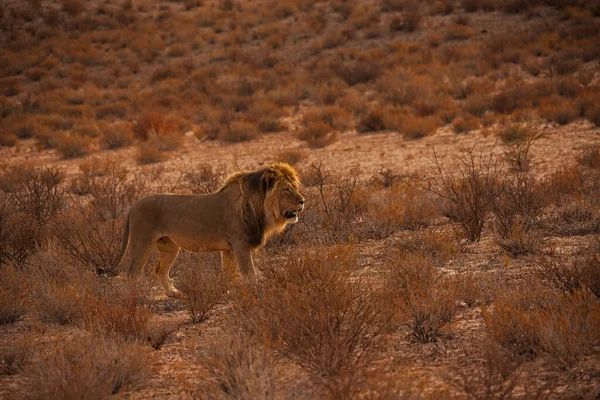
234	220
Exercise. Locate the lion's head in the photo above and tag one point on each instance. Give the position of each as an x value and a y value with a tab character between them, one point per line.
283	200
270	199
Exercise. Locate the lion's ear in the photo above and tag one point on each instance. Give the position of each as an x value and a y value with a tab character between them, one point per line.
270	178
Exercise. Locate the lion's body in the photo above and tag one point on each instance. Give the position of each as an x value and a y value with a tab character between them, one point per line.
234	220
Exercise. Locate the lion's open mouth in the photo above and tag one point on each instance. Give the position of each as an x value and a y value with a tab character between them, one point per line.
291	214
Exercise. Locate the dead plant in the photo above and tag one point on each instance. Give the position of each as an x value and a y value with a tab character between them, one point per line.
472	189
91	367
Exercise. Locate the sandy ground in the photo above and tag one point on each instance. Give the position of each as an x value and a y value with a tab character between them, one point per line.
175	372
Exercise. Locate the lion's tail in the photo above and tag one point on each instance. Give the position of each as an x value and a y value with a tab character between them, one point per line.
124	243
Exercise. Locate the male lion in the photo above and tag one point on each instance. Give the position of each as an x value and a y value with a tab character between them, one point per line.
235	219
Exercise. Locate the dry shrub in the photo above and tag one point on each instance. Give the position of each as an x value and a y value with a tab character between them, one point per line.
37	192
72	146
535	320
335	199
7	139
238	131
559	110
590	158
458	32
240	369
13	294
573	275
371	121
150	152
465	124
157	126
514	133
495	378
206	178
473	289
471	189
30	199
564	184
18	234
417	127
119	309
435	245
316	309
335	116
117	135
203	286
292	156
90	233
15	357
362	69
58	289
592	113
520	204
91	367
73	7
317	134
425	298
403	205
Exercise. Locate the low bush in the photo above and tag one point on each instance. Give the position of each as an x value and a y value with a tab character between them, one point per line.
471	189
90	233
316	309
426	299
206	178
120	310
559	110
7	139
117	135
458	32
519	206
150	152
495	378
317	134
13	294
203	286
371	121
572	275
72	146
532	321
58	289
240	369
417	127
14	358
238	131
92	367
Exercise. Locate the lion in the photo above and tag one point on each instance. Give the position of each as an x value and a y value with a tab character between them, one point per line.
235	220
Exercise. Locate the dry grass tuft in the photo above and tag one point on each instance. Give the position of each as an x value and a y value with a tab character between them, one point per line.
314	308
317	134
204	287
14	358
537	321
240	369
426	299
92	367
13	294
120	310
472	189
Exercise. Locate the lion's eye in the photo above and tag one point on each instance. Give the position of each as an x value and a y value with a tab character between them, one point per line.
288	190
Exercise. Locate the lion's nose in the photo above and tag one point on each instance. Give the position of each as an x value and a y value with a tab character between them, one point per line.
301	202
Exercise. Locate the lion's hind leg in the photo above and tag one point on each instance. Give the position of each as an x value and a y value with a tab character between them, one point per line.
168	252
140	250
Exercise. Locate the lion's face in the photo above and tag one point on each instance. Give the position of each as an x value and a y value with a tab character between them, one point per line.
291	202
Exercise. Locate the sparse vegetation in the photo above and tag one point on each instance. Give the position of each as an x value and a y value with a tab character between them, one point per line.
477	277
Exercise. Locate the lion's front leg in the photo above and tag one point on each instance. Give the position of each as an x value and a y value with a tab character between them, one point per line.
243	259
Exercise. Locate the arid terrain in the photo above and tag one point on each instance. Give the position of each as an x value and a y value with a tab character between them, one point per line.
449	153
